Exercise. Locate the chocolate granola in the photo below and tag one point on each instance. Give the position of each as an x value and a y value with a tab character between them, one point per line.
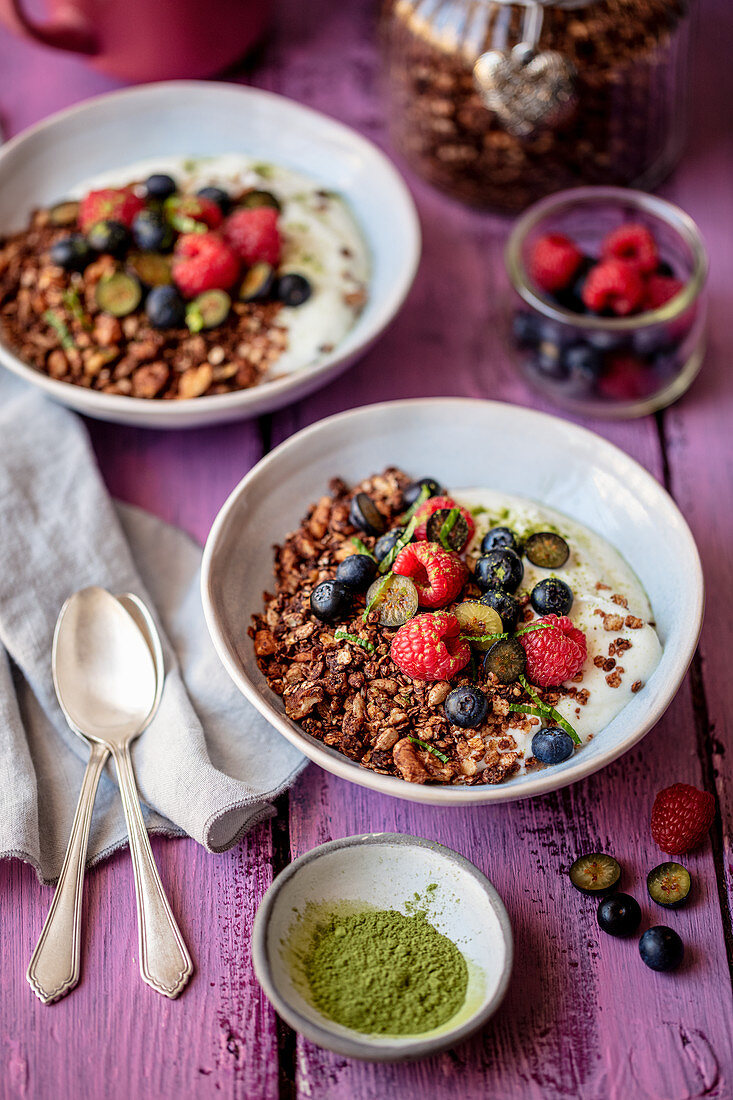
350	695
628	60
50	319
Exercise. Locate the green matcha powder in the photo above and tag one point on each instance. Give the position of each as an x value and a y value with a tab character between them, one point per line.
380	972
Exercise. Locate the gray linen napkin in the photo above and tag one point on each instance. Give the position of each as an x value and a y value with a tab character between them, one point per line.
209	764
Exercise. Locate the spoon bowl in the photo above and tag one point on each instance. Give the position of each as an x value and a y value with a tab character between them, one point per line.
104	672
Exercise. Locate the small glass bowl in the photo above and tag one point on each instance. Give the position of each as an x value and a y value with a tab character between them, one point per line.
598	365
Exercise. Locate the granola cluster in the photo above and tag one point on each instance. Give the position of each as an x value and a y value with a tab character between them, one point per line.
50	319
352	696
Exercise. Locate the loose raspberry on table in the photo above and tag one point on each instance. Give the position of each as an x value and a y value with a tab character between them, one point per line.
436	504
555	653
203	261
438	574
554	262
109	204
661	289
429	647
681	818
613	286
633	243
254	235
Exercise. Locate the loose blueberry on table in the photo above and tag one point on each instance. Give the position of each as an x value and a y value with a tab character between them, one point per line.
628	278
400	634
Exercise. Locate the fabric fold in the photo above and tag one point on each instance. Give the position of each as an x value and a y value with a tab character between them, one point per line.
208	765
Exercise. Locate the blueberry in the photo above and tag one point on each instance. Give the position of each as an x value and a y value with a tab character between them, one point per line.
151	232
357	571
526	329
619	915
661	948
330	600
109	236
293	290
572	298
160	186
165	307
500	569
413	490
466	707
499	537
217	195
603	340
73	253
506	606
551	745
551	597
652	340
549	360
365	515
665	269
584	363
386	543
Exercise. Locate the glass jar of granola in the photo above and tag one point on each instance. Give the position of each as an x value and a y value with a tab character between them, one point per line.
500	102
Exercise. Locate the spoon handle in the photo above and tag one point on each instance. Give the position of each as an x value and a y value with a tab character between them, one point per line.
165	963
54	966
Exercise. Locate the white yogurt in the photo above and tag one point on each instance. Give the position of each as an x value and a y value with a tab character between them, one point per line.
592	560
321	240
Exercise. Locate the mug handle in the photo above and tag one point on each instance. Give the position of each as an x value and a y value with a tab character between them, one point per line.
69	31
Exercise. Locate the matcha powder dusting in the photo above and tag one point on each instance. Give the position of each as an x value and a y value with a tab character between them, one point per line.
380	972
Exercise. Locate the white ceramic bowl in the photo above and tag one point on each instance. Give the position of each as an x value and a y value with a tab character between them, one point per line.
383	871
460	442
194	118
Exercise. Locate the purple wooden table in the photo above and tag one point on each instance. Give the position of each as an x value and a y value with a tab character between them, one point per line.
583	1017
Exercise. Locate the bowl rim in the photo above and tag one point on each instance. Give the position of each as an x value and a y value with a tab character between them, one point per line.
272	393
541	782
366	1048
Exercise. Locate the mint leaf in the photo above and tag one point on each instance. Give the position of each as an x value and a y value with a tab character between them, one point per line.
425	745
343	635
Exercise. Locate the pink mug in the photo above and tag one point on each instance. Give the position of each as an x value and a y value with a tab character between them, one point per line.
140	40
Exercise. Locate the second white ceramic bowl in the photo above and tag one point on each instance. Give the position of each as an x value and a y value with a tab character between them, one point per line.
462	443
382	871
195	118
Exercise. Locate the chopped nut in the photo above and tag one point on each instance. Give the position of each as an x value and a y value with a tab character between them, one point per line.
195	381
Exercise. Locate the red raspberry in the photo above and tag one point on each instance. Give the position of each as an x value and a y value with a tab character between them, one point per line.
626	378
613	286
554	262
633	243
434	504
203	261
438	574
661	289
681	818
254	235
110	204
197	208
554	655
429	647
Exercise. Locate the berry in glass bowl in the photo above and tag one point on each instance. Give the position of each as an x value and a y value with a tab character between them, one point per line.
608	311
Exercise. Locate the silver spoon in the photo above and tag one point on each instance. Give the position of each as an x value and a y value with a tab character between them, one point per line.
55	964
108	672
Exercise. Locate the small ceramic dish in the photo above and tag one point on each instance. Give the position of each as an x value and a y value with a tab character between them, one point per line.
500	446
383	871
194	118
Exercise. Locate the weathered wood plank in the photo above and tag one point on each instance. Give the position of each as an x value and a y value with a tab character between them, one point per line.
115	1037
